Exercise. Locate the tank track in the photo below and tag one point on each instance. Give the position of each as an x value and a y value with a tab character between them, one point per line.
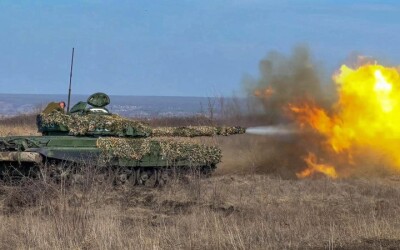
72	173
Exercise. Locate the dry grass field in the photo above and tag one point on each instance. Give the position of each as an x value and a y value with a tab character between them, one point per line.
253	201
18	125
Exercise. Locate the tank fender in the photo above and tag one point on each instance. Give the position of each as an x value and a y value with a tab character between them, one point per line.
74	155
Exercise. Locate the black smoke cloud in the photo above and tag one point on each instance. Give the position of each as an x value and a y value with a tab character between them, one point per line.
291	79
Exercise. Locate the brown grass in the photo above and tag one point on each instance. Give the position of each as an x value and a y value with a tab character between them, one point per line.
18	125
8	130
252	202
225	212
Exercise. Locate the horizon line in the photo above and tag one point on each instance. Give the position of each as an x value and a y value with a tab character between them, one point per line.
122	95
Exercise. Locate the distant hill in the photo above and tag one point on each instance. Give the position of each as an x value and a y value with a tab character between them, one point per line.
133	106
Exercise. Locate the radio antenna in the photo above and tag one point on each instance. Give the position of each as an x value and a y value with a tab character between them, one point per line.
70	80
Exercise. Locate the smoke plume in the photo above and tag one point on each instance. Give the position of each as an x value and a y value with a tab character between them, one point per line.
288	79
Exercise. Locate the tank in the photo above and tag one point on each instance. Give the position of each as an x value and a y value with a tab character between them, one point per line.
89	133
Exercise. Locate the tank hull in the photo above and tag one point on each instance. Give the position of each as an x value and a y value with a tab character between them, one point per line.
24	153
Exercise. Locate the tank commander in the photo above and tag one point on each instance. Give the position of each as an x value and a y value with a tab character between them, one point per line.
54	106
62	105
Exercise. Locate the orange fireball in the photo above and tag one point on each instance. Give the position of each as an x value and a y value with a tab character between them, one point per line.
314	167
366	117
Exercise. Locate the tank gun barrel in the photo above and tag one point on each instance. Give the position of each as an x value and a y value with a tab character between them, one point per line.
194	131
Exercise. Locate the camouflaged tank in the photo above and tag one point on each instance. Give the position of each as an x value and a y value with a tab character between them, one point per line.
136	152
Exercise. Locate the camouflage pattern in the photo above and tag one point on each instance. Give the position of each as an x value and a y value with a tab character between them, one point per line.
192	131
194	153
169	149
133	149
116	125
85	124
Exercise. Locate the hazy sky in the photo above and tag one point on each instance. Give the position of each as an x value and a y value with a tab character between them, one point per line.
183	48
